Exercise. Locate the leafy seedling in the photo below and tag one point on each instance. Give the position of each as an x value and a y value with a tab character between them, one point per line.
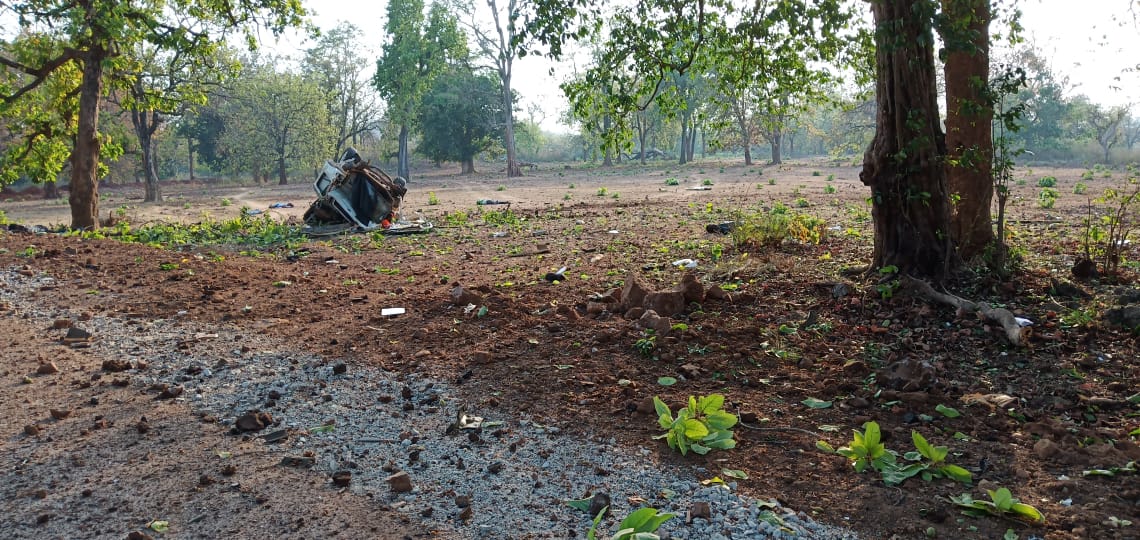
1001	504
936	466
865	449
701	426
642	525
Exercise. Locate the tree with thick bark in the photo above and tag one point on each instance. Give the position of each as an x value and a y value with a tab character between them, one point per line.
337	63
165	84
905	164
96	33
500	48
969	114
419	50
276	122
460	117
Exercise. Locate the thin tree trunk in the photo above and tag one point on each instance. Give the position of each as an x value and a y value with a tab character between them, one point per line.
746	137
84	186
513	168
684	154
144	124
608	160
282	172
190	152
403	169
969	139
776	141
903	166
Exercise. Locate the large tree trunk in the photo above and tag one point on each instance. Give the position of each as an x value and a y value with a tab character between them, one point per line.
467	166
403	169
904	165
776	141
51	190
84	186
969	139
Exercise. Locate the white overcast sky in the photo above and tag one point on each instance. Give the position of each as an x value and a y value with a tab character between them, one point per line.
1093	42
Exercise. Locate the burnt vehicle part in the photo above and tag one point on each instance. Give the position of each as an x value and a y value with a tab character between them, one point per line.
352	191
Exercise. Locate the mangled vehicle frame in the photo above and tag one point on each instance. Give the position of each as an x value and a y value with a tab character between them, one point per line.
354	195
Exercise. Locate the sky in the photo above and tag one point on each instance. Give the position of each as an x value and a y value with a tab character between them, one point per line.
1094	42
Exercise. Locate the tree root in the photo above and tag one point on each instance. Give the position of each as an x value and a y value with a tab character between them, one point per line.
1014	332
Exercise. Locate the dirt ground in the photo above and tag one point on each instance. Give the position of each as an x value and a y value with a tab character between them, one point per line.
550	350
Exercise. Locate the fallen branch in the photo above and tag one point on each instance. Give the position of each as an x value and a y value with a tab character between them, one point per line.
1014	332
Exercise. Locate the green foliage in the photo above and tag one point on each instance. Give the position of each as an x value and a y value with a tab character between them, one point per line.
642	524
263	123
866	450
1047	197
1047	181
1106	239
706	182
501	218
802	203
829	189
602	191
1001	504
432	199
671	182
761	230
701	426
1080	188
646	346
460	116
771	181
816	173
262	233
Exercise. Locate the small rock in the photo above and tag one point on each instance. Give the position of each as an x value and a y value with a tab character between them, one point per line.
340	368
463	501
1046	449
463	297
171	392
599	502
205	480
342	478
482	357
298	461
48	368
466	514
495	468
427	512
142	426
749	417
422	354
43	518
700	510
60	324
400	482
858	403
59	414
40	494
115	366
229	469
253	421
138	535
690	371
645	406
840	290
31	430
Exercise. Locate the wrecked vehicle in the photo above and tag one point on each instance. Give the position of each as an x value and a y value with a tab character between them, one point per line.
354	195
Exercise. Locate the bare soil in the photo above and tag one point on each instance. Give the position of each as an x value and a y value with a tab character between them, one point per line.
544	349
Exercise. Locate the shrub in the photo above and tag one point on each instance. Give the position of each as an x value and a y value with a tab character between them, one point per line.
1047	181
1047	198
1080	188
701	426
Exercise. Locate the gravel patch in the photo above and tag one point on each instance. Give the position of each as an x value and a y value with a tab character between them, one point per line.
402	440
